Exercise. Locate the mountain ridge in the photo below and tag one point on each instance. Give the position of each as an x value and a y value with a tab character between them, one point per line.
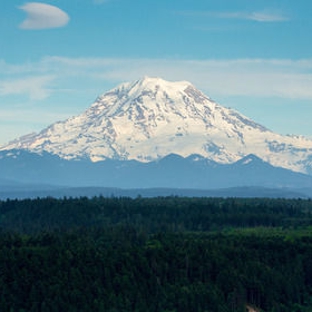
172	171
150	118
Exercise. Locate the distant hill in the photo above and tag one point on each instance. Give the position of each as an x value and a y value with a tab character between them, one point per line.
49	175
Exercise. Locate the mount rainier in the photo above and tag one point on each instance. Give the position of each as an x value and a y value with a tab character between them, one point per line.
151	118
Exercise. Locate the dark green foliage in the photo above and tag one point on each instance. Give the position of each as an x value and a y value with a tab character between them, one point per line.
161	254
162	214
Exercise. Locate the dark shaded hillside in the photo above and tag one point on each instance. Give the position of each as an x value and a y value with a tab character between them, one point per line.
173	171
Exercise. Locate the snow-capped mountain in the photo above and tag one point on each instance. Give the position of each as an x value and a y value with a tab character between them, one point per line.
151	118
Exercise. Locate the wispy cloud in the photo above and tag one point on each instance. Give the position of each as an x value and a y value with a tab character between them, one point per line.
100	1
261	16
36	87
258	16
241	77
56	87
43	16
267	17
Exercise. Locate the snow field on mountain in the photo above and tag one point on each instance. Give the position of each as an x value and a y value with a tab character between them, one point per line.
151	118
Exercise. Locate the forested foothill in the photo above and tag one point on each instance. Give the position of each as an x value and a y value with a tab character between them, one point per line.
156	254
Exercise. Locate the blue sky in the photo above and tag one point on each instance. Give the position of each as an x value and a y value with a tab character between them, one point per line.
57	56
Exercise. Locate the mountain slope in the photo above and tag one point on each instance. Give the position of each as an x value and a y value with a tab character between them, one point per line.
151	118
172	171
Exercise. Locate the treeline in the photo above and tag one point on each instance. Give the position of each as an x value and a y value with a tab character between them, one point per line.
161	254
161	214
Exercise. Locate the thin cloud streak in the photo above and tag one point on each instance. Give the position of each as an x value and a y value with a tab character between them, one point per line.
36	88
58	87
242	77
100	1
257	16
266	17
43	16
26	115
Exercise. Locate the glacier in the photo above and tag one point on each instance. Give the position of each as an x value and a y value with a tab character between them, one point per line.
151	118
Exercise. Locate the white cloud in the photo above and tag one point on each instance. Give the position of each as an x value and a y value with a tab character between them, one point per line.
43	16
36	88
25	115
56	87
266	17
241	77
258	16
283	78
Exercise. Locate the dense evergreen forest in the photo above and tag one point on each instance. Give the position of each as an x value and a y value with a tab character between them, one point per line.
161	254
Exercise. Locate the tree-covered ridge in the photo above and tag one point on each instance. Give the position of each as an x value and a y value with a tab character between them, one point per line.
153	214
161	254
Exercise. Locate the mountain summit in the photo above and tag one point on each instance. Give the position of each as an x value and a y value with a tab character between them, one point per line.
151	118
